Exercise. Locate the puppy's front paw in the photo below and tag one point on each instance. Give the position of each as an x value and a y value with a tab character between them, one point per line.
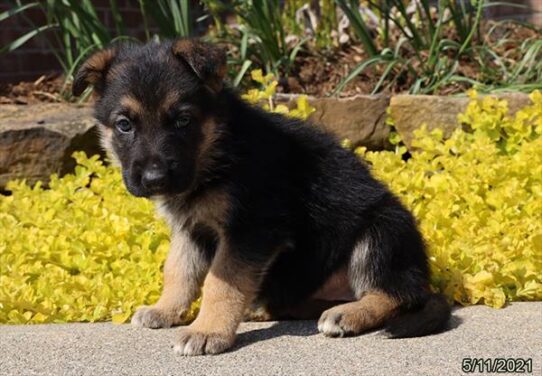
152	317
193	342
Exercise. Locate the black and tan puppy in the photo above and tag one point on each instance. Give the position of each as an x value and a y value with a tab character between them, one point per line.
265	211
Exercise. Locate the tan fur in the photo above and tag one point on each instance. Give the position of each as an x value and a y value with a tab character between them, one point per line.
169	100
133	105
211	209
100	60
206	152
199	56
183	47
186	265
229	288
106	139
335	288
370	312
93	70
184	272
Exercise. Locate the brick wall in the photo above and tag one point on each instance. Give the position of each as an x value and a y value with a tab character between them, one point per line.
34	58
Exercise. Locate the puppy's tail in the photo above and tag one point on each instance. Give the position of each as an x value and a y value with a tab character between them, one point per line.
432	317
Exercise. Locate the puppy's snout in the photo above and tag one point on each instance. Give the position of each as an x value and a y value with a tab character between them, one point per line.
154	177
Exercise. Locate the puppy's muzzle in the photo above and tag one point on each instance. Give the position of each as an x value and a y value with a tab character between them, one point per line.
155	177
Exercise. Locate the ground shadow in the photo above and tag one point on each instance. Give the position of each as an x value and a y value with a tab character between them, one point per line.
455	321
305	328
298	328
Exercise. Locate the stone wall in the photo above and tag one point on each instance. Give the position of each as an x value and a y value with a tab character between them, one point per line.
36	141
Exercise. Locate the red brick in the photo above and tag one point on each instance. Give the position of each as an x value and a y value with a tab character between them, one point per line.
9	63
138	34
13	22
9	34
13	77
36	16
128	4
38	62
132	19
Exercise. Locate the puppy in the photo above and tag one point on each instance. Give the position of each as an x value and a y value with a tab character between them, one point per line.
266	211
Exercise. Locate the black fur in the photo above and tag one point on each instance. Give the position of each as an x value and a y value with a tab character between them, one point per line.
431	317
302	207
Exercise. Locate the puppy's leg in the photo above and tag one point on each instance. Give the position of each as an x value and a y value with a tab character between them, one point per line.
184	271
370	312
229	288
387	271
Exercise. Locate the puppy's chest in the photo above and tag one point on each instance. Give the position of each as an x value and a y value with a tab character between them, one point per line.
209	211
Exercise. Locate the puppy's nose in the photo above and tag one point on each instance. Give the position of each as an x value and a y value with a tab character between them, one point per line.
154	177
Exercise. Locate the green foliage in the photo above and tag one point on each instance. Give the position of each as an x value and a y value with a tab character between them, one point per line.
505	68
422	46
422	49
325	17
478	198
263	25
172	17
76	27
429	46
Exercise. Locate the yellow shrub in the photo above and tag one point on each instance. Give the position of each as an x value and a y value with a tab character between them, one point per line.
478	197
83	250
264	96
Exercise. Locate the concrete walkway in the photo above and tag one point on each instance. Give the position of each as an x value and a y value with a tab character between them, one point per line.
284	348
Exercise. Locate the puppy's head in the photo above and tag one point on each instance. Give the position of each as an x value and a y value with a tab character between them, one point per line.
155	103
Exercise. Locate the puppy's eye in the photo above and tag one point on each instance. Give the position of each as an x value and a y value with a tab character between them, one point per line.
183	121
124	125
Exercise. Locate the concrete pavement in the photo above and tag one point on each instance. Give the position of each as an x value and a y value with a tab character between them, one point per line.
283	348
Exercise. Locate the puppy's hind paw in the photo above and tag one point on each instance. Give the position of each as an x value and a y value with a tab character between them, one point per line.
154	318
330	324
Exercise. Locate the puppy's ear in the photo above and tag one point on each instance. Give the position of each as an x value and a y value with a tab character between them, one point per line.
206	60
93	72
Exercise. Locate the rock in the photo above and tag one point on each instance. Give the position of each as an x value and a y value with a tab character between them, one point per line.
37	141
361	119
410	112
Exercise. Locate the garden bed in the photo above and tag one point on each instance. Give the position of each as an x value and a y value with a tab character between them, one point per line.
319	72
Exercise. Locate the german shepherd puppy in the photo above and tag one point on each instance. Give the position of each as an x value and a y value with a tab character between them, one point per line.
266	211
